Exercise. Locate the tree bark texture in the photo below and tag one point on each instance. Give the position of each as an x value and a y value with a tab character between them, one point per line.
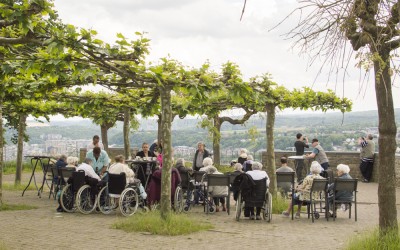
1	151
20	146
270	147
216	141
166	117
127	146
159	128
387	146
104	136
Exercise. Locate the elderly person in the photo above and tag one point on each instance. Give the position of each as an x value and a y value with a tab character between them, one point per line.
303	190
217	190
256	174
199	156
238	168
342	173
242	156
72	162
207	163
248	163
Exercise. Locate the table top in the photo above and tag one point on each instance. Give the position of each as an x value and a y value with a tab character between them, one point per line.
37	156
140	161
296	157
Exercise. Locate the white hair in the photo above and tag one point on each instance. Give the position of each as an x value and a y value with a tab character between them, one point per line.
250	157
180	161
238	167
71	160
256	165
343	168
315	167
207	162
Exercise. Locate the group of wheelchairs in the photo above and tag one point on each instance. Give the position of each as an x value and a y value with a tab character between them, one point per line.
195	188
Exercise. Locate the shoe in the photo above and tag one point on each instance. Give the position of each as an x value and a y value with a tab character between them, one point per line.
217	209
60	209
224	209
252	217
258	217
285	214
365	181
297	216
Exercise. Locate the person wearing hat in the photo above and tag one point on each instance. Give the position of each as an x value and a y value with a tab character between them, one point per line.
319	154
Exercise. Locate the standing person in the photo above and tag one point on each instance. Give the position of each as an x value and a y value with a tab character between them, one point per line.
300	144
199	156
100	160
367	157
95	143
319	154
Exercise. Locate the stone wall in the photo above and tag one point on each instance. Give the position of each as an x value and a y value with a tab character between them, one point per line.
349	158
112	152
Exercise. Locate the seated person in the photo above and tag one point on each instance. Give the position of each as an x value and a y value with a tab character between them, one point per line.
154	187
256	174
119	166
145	151
100	160
242	156
342	173
145	169
72	162
285	187
303	190
217	190
238	169
233	162
61	162
88	169
207	163
248	163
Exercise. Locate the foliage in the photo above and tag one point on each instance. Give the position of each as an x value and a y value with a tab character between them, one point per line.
373	241
10	166
18	187
12	207
176	224
279	204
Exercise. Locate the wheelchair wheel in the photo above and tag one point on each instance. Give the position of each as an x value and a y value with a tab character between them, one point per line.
178	200
85	200
238	206
67	200
267	213
105	203
128	202
210	207
316	215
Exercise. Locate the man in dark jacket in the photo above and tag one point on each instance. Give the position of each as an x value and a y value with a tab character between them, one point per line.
199	156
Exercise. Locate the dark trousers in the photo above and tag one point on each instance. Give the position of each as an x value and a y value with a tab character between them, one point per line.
250	211
217	200
366	168
299	166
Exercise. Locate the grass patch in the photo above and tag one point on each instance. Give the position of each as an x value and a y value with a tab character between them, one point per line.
372	241
3	245
177	224
20	187
11	207
279	204
10	167
225	169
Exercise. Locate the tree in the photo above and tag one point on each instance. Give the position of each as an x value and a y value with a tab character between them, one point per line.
372	28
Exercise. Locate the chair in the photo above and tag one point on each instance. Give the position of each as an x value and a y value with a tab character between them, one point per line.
48	176
221	181
54	182
319	186
286	177
348	185
62	176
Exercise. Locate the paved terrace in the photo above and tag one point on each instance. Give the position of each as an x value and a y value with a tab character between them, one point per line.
43	228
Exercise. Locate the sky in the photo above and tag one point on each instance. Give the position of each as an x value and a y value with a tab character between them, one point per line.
195	31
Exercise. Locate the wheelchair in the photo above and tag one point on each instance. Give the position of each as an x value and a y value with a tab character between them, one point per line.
86	197
119	194
69	192
246	200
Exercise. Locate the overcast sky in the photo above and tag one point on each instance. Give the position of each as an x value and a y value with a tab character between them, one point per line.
193	31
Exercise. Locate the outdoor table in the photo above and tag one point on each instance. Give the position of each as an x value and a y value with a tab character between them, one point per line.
297	157
143	168
44	164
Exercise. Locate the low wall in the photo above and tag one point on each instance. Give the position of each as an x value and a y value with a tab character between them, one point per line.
349	158
112	152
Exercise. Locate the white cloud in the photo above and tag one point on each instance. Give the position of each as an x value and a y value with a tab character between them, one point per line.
194	31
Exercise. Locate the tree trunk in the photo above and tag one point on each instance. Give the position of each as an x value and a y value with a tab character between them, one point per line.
159	128
271	148
387	146
104	136
20	145
127	147
166	117
1	151
216	141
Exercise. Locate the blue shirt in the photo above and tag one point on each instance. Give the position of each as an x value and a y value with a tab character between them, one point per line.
101	162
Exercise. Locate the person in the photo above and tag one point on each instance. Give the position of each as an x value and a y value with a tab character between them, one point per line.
86	166
217	190
285	186
61	162
319	154
300	144
207	163
199	156
257	174
95	143
180	165
248	163
238	168
303	189
146	168
154	187
72	162
100	160
156	147
342	173
242	156
367	157
119	166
